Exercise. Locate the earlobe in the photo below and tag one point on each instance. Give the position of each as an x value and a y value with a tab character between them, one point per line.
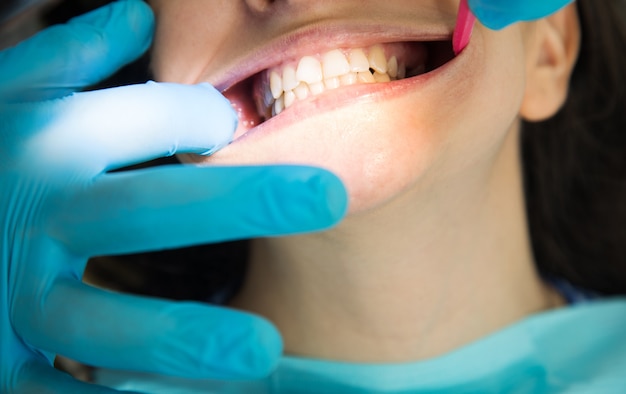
553	51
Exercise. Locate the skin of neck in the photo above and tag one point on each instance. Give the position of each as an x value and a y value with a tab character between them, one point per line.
436	268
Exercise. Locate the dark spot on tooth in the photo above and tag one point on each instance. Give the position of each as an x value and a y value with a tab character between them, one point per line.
372	71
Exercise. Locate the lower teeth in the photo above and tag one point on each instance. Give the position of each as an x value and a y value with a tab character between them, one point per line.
303	91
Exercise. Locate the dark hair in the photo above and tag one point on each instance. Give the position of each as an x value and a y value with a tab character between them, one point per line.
574	174
575	162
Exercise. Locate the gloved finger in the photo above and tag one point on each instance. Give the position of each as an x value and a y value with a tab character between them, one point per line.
119	331
112	128
41	378
176	206
66	58
498	14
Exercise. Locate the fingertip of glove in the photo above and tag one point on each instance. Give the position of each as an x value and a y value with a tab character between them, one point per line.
305	198
267	349
141	20
136	12
221	113
218	114
199	111
247	346
335	194
125	26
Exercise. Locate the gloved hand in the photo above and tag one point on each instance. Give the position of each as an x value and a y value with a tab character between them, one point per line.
60	205
497	14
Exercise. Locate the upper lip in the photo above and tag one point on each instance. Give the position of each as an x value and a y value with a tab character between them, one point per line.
322	37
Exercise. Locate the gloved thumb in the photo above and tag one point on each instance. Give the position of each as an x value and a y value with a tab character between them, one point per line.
498	14
66	58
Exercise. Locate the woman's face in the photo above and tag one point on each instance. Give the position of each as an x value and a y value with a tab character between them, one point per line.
382	138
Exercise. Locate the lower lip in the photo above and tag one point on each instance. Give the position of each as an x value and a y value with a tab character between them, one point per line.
356	94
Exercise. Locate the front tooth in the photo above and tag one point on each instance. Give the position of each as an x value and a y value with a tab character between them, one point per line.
279	106
276	85
332	83
289	78
290	98
317	88
309	70
358	61
302	91
348	79
380	77
392	67
377	59
334	64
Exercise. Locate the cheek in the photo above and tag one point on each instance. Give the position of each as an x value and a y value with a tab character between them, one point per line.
186	37
398	143
492	107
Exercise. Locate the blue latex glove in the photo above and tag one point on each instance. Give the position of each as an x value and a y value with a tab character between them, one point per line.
58	206
497	14
580	349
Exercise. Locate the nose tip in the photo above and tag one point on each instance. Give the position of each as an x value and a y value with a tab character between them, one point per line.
259	5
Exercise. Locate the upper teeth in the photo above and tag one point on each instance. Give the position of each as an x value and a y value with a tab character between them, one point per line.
312	75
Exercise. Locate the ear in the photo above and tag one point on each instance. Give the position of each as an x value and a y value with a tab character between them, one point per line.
552	48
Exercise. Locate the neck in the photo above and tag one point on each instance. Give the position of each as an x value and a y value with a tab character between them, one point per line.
425	274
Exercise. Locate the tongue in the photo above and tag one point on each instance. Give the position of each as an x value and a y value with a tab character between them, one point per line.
241	100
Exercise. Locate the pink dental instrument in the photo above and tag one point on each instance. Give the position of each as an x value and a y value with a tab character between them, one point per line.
464	27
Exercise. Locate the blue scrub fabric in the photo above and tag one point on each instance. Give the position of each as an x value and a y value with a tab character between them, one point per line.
576	349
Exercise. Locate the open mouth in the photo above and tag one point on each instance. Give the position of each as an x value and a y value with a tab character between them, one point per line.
275	90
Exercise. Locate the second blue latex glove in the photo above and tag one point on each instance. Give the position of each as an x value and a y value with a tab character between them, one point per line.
59	205
497	14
